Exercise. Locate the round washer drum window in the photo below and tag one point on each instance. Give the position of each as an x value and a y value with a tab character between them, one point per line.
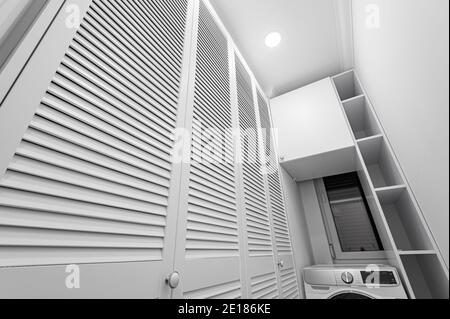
350	295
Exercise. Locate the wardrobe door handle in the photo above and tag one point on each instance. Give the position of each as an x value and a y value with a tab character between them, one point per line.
173	280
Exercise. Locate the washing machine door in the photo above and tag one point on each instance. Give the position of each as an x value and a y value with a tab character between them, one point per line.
350	295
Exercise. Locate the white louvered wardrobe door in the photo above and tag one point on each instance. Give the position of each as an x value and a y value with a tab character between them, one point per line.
208	247
260	261
287	272
92	182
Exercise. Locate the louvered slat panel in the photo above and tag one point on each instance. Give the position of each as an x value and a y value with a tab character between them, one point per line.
231	290
264	286
275	190
289	284
212	230
257	218
90	180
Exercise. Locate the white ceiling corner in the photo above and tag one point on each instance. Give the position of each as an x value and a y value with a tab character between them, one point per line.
316	39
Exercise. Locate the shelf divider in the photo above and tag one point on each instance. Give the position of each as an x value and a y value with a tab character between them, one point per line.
360	96
390	193
378	136
416	252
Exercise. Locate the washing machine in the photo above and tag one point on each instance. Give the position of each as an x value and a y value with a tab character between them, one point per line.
353	282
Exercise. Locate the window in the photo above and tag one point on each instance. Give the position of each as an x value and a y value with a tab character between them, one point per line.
350	225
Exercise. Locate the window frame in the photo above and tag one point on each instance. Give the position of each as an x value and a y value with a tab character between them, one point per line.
333	238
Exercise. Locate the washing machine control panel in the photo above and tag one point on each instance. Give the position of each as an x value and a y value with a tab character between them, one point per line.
386	278
359	277
352	281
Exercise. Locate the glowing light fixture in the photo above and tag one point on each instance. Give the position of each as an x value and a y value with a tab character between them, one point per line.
273	39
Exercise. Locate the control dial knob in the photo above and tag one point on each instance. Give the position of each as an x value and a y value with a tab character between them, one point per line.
347	278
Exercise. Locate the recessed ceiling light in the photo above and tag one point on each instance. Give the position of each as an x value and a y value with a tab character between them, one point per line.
273	39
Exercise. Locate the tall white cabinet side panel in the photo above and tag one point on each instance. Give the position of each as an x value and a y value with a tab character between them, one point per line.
301	243
316	227
46	58
22	40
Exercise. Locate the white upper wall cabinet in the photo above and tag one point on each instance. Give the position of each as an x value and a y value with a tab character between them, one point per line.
314	139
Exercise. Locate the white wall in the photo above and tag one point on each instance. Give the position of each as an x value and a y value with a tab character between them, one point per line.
16	16
10	12
403	65
298	229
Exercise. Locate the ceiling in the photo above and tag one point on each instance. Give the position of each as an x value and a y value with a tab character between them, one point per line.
315	44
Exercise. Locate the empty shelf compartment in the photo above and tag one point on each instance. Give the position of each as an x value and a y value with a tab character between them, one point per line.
426	275
380	162
361	117
347	85
405	221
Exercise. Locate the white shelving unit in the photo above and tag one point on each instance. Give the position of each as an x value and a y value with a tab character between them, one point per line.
405	234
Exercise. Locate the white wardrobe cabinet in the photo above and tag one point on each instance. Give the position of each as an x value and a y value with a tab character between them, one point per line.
88	186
